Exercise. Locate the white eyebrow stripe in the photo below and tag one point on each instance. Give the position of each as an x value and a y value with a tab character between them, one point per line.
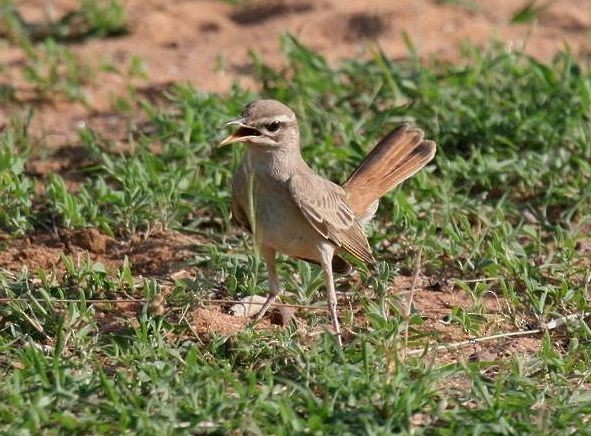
279	118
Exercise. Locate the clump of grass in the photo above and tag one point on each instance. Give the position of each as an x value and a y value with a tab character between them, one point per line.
105	18
16	189
54	69
64	204
51	68
92	18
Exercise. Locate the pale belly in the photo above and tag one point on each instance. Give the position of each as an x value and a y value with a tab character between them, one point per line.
278	222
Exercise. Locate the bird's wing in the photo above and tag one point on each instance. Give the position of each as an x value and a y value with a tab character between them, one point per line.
324	206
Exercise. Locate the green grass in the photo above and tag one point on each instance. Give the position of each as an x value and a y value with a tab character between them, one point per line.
50	67
508	199
92	18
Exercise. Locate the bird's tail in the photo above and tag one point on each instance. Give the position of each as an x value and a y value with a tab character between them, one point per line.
398	156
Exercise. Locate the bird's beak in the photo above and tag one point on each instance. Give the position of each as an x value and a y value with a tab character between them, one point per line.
244	132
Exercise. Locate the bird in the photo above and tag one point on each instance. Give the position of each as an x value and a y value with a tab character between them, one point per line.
292	210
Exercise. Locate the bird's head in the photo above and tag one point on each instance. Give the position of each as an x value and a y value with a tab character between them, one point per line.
265	124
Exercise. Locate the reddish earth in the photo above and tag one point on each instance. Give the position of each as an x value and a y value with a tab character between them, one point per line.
207	43
159	255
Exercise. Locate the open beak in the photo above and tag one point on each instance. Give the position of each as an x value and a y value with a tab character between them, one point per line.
243	133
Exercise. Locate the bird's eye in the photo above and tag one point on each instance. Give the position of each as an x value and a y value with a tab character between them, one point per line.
273	126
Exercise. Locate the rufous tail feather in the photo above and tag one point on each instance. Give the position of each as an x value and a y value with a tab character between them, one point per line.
398	156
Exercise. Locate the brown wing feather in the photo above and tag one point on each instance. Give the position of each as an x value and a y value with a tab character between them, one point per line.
324	206
398	156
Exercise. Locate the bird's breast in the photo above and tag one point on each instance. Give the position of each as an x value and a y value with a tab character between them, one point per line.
274	217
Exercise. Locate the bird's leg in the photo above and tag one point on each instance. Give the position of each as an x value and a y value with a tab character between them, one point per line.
326	254
274	285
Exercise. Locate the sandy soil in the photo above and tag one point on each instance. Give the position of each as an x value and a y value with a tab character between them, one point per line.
207	43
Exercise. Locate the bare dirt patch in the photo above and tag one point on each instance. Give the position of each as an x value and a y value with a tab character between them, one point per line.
212	320
157	255
435	305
